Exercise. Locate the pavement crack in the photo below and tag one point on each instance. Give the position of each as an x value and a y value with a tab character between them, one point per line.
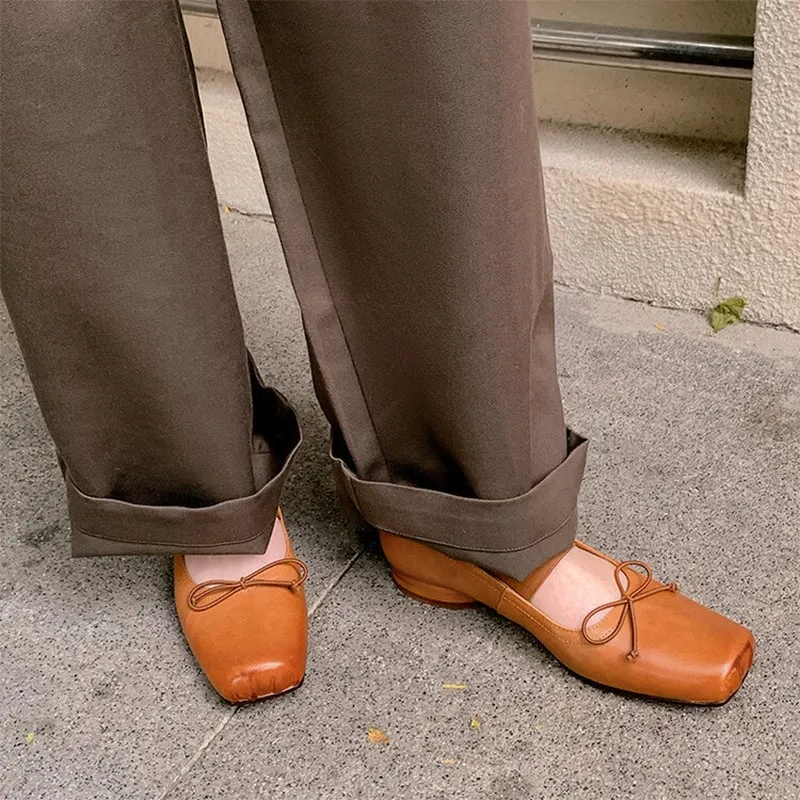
232	210
198	754
334	582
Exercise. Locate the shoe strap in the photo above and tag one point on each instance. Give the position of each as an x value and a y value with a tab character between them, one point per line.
628	598
211	593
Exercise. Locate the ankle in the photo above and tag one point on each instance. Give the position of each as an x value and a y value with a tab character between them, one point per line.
232	567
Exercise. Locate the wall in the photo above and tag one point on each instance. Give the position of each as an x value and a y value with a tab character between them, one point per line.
652	102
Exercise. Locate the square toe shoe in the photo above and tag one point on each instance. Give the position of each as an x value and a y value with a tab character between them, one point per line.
652	641
248	636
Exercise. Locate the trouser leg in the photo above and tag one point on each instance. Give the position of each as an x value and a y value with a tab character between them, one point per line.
399	148
116	278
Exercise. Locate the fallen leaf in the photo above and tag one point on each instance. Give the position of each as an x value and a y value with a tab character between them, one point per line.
726	313
226	209
454	686
377	736
475	724
29	737
448	762
660	327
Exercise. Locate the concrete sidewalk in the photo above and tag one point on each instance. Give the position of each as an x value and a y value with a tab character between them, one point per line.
693	467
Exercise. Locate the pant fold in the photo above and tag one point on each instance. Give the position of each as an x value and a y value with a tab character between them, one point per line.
510	536
106	526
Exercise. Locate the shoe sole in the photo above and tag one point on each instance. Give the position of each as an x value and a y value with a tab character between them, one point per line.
432	595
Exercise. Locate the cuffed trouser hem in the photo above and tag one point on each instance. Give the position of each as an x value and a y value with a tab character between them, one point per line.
512	536
104	526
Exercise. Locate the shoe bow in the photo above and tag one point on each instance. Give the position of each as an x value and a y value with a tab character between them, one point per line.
211	593
626	601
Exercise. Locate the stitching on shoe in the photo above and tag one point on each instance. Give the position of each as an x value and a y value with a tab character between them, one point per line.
527	614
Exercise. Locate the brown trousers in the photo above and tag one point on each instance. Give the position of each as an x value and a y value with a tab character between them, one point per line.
399	148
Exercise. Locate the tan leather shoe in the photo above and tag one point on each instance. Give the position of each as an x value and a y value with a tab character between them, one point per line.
249	636
652	641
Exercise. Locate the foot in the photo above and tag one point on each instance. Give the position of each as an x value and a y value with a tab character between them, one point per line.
578	582
245	618
607	621
233	567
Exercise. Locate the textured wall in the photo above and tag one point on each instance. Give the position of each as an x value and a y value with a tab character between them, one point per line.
656	240
655	219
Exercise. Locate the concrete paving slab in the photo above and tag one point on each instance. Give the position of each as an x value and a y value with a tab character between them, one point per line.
230	149
695	445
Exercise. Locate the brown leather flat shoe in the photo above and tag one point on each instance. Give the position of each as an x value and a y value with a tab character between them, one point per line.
249	636
652	641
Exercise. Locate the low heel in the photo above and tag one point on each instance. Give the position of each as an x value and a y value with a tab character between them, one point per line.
431	594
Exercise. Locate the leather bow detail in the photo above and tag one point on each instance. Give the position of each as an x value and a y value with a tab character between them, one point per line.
627	601
211	593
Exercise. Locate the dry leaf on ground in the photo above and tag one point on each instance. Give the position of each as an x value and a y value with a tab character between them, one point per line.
377	736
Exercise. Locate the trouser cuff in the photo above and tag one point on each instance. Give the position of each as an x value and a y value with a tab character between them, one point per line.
512	536
104	526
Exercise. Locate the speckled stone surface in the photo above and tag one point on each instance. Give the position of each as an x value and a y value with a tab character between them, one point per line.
693	466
